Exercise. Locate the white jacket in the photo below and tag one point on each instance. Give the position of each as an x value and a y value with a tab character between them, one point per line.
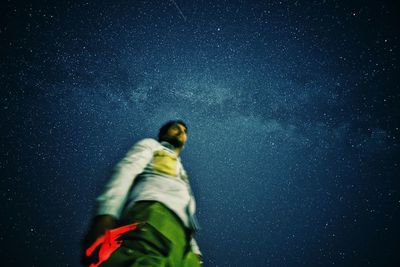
157	174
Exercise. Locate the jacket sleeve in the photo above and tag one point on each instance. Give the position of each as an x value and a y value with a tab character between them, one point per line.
195	247
112	200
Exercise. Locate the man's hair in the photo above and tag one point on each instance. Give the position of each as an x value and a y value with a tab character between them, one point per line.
167	125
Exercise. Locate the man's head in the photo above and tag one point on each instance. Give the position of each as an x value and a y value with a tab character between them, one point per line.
174	132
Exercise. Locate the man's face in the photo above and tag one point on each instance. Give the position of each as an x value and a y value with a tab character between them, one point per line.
176	135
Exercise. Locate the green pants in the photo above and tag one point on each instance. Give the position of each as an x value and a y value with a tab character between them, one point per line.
160	241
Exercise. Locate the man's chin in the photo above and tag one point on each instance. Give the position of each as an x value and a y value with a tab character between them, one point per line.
175	142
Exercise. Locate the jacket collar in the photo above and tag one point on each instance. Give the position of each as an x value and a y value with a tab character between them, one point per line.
167	145
170	146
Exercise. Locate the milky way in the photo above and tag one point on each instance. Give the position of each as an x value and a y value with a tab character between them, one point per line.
292	110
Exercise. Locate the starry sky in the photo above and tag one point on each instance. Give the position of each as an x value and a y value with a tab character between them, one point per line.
293	119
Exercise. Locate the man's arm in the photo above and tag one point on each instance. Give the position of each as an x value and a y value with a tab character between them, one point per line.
112	200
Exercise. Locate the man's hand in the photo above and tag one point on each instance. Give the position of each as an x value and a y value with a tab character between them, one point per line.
97	228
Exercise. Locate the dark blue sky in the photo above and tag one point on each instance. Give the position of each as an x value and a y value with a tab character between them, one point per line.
292	109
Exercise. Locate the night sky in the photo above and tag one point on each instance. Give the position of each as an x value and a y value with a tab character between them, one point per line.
293	113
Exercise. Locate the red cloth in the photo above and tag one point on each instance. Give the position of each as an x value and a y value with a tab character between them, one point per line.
108	243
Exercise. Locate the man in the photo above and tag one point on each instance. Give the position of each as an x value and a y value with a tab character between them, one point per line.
145	216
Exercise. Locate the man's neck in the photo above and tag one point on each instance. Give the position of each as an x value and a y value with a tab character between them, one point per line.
177	150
